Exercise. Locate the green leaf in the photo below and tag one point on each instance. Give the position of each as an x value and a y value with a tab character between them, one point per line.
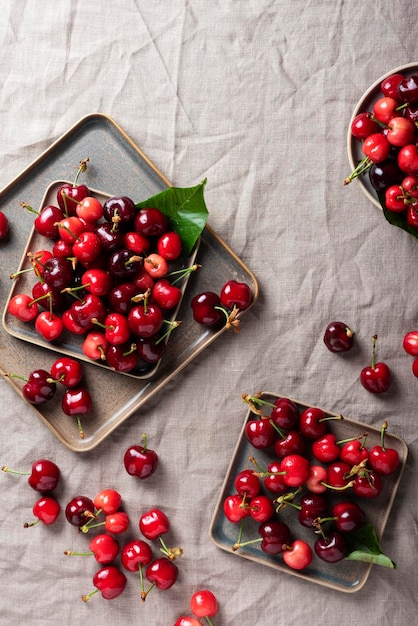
364	546
396	219
185	209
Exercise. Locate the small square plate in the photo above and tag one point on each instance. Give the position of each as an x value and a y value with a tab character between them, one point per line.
346	575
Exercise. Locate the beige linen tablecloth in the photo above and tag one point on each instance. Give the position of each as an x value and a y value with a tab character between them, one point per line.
256	97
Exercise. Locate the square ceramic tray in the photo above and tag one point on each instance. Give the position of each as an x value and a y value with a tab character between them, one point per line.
69	343
116	164
346	576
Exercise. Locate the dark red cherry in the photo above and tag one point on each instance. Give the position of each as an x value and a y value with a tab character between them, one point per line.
119	210
338	337
205	308
331	548
150	222
79	510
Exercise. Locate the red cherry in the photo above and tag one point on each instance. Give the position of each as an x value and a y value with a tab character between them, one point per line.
95	345
235	508
46	510
260	433
110	581
247	483
297	555
313	422
154	523
338	337
78	510
377	377
67	371
410	343
331	548
39	389
49	325
317	479
261	508
69	195
236	294
23	307
325	449
382	459
203	603
89	209
107	500
4	226
166	295
348	516
116	523
140	461
169	245
162	573
408	159
135	554
285	413
43	477
296	468
368	484
76	401
155	265
103	547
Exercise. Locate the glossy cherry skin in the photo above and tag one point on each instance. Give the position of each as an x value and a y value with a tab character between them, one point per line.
410	342
145	321
162	572
408	89
292	442
275	534
76	401
46	222
298	555
110	581
154	523
119	210
261	508
67	371
332	548
354	452
235	293
316	482
117	523
107	500
285	413
338	337
235	508
296	468
312	422
313	506
203	603
150	222
247	483
325	449
384	460
376	379
122	358
46	510
140	461
348	516
22	307
78	510
4	226
76	193
136	554
169	245
205	308
39	389
275	481
368	485
49	325
187	620
105	548
44	476
166	295
260	433
57	273
338	474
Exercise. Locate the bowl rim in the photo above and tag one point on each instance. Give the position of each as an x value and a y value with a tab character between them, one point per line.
358	108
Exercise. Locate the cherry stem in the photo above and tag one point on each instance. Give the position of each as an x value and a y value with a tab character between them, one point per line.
364	165
71	553
89	595
256	399
172	325
170	553
232	320
382	434
209	621
238	545
145	593
183	272
81	168
362	436
30	524
7	469
374	339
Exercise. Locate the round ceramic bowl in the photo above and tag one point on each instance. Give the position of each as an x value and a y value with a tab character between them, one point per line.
366	102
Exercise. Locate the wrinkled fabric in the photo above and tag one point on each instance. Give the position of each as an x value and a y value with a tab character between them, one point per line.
256	97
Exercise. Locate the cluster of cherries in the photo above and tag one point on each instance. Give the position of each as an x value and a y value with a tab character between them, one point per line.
109	277
105	512
41	386
307	468
388	137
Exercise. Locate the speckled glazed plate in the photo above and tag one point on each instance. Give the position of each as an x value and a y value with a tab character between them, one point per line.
365	103
346	575
117	165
